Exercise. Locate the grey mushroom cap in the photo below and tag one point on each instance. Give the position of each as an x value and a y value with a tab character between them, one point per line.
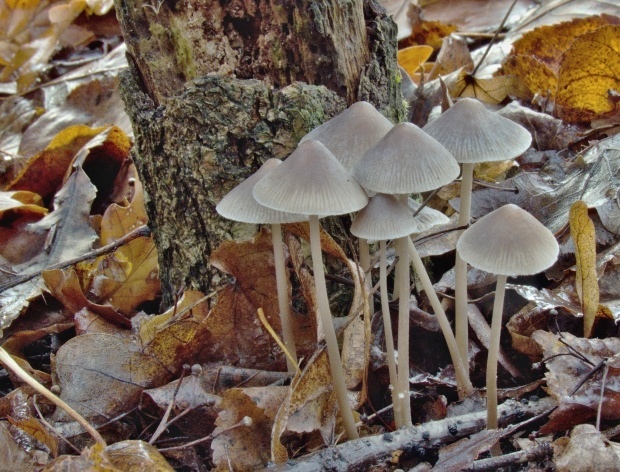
473	133
240	205
311	182
428	217
351	133
383	218
508	241
406	160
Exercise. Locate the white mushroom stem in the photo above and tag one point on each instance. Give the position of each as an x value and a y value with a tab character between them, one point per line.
402	278
462	374
389	338
496	328
460	306
364	251
333	352
284	301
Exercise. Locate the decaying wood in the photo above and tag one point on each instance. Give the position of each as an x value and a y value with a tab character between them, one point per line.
215	88
364	453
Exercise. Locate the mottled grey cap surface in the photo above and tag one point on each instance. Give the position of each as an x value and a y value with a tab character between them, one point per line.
473	133
383	218
240	205
351	133
508	241
311	182
406	160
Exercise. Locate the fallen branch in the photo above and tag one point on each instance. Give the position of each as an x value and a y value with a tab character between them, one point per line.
360	454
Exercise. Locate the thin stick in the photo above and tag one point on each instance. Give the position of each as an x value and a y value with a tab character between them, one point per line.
10	363
142	231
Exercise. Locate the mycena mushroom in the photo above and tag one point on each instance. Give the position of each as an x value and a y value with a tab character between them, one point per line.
312	182
240	205
507	242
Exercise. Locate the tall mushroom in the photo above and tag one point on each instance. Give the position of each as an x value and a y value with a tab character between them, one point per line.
473	134
348	136
507	242
386	218
406	161
311	181
240	205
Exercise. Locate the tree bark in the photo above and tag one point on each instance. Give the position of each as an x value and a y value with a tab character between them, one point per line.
215	88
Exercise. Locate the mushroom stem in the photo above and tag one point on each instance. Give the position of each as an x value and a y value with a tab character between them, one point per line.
364	251
496	327
284	301
333	352
460	366
389	337
403	329
460	307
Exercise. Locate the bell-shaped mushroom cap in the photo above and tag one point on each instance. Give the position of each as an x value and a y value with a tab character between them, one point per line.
240	205
383	218
428	217
406	160
508	241
311	182
472	133
351	133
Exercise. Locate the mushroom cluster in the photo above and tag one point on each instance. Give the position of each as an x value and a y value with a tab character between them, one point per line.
360	153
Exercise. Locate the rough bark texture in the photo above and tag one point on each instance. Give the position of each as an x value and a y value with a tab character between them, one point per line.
217	87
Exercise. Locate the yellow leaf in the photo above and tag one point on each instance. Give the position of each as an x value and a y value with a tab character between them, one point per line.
586	282
589	74
489	90
535	74
412	57
21	202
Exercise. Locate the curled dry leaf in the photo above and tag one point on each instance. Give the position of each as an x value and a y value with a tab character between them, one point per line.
137	456
566	370
11	452
586	280
129	276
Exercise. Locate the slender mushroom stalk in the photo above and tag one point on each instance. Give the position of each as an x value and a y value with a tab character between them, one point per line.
386	218
402	279
240	205
507	242
473	134
389	338
312	182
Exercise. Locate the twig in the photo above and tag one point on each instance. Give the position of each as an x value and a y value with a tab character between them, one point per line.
536	453
362	454
142	231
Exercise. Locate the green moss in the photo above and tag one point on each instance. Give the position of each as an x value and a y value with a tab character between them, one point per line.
156	29
184	53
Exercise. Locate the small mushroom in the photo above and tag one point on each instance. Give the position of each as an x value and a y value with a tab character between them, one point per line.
386	218
473	134
507	242
311	181
240	205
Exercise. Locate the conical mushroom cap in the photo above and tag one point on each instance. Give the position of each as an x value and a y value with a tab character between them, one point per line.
474	134
428	217
383	218
508	241
240	205
406	160
351	133
311	182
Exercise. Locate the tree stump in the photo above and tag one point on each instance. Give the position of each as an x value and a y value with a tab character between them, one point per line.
215	88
